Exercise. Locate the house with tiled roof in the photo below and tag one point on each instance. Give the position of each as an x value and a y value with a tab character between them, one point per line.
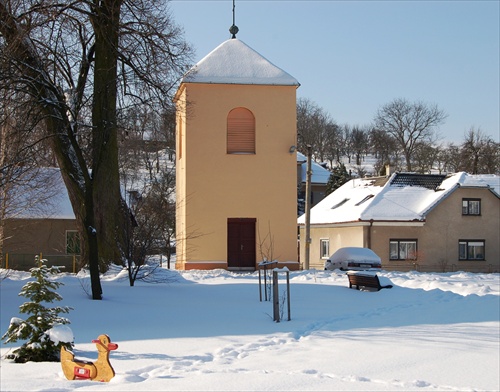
412	221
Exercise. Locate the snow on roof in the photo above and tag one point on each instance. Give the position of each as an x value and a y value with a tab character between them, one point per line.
367	199
343	205
320	175
41	197
234	62
480	180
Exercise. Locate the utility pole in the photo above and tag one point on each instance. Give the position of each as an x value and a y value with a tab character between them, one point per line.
308	207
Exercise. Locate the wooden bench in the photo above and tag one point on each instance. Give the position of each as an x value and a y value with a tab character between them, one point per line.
360	280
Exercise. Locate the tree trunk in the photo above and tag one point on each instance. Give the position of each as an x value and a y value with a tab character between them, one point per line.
105	174
95	198
409	167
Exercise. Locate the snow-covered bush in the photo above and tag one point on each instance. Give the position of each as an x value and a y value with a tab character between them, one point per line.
44	330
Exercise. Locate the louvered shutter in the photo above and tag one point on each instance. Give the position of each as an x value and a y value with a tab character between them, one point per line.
240	131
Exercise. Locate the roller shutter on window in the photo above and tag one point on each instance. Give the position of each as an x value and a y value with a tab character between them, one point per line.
240	132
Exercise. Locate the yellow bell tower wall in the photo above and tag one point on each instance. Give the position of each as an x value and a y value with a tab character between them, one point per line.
214	186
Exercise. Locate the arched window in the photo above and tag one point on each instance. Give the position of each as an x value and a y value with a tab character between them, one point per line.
240	131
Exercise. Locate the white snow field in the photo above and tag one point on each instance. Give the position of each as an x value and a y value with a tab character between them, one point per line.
208	331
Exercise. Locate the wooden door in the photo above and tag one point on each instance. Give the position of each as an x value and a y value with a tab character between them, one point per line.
241	243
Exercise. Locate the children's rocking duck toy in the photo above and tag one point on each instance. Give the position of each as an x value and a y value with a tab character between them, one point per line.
100	370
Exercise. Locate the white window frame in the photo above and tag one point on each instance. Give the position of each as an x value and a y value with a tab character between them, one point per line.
324	248
471	207
403	249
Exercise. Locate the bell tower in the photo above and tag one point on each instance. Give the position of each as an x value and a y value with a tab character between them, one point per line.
236	170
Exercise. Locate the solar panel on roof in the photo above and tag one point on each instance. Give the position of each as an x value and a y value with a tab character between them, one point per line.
429	181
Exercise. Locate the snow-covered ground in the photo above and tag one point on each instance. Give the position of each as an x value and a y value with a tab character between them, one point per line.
207	330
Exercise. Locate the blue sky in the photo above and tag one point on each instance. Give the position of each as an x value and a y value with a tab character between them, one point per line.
352	57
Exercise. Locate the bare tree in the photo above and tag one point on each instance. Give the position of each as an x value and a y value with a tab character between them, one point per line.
333	143
22	144
266	245
24	186
410	124
449	158
384	147
326	135
345	138
479	153
305	123
149	179
315	128
154	212
359	141
490	162
425	158
76	64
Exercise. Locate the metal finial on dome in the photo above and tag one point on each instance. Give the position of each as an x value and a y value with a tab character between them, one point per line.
234	29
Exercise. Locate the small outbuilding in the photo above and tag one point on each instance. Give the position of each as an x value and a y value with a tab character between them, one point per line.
39	221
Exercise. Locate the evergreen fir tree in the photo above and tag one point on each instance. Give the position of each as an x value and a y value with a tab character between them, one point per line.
35	329
338	178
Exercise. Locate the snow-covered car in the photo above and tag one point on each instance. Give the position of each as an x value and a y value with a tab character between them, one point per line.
353	258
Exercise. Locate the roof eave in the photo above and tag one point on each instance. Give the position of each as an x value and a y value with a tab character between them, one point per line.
240	83
179	92
490	188
371	222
